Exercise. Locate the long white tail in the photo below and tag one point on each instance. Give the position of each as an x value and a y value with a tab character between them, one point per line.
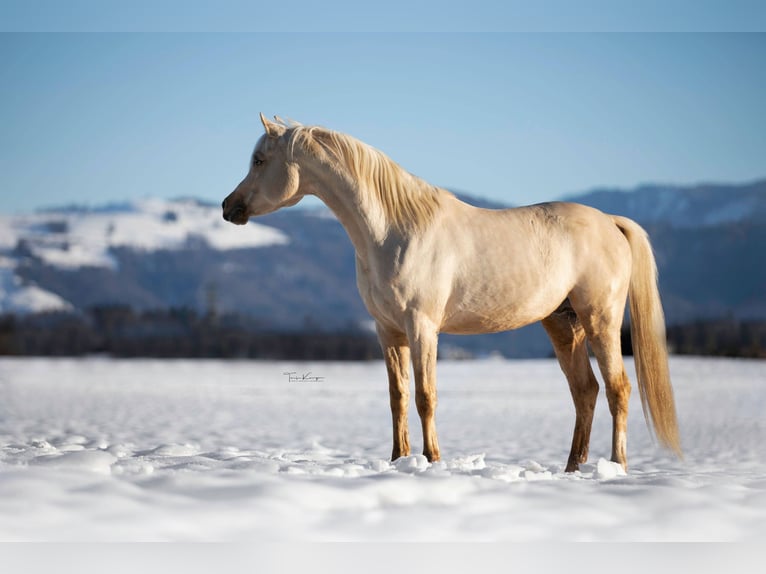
647	329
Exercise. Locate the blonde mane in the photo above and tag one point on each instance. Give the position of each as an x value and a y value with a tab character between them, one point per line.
407	202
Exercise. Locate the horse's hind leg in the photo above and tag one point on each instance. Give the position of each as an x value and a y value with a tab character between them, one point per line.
396	353
568	338
603	331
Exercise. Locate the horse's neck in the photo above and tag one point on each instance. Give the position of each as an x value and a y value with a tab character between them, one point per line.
359	214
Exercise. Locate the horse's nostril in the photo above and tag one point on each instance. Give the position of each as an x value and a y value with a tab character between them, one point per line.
234	212
223	204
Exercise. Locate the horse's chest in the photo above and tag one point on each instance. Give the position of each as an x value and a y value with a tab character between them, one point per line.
387	295
379	296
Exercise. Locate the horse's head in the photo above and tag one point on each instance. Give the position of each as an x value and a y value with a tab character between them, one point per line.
271	183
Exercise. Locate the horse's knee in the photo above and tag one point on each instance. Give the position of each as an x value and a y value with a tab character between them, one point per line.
426	404
398	394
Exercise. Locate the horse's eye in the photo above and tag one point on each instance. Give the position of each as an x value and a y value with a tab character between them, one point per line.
257	161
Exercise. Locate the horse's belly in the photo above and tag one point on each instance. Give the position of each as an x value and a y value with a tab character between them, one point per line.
474	323
503	304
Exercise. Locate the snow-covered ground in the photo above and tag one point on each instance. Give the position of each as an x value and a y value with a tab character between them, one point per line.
102	450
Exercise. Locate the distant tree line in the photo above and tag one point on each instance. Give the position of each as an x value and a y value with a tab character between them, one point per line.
716	337
120	331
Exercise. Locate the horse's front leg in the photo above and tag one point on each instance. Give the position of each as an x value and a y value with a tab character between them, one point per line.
423	341
396	353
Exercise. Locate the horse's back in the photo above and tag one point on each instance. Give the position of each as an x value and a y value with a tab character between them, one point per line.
544	235
578	232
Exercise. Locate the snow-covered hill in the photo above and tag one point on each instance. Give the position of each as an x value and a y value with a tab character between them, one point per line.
699	206
17	296
72	239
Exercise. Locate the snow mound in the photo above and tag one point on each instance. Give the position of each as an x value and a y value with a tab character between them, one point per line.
84	460
467	463
606	469
411	464
175	450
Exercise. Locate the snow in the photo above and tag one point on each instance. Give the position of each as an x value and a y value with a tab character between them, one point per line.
732	212
17	297
107	450
71	239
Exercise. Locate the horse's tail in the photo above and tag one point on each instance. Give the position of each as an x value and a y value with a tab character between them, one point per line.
647	329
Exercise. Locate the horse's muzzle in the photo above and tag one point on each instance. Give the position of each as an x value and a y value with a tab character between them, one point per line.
236	213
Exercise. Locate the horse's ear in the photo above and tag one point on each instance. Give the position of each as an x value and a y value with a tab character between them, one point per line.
272	130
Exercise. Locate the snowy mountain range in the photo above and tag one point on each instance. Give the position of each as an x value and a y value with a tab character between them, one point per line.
73	241
704	205
296	267
710	244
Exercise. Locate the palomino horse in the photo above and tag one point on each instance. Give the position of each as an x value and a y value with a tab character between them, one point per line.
428	263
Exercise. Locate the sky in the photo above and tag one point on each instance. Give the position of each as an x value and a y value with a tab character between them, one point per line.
95	118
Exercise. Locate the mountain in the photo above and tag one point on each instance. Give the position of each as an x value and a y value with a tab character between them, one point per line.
295	268
286	269
698	206
709	241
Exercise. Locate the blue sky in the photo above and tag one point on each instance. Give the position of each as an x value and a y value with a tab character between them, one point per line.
520	118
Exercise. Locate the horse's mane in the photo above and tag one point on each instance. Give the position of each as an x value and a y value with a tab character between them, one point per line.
407	202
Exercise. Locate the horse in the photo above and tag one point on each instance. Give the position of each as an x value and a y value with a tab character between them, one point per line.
428	263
